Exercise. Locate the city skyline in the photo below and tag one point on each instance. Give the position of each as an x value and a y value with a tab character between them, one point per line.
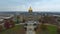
23	5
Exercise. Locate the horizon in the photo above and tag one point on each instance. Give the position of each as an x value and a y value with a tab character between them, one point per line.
33	11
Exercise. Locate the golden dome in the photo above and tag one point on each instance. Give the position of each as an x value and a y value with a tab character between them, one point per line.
30	10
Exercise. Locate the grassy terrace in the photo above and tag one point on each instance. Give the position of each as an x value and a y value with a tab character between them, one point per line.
16	30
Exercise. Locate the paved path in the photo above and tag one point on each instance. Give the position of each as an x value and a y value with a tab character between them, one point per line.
30	28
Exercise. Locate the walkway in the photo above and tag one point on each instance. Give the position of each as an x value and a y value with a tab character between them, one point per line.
30	28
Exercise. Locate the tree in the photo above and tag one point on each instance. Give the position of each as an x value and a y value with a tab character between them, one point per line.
17	19
43	27
12	24
6	24
23	20
1	28
58	30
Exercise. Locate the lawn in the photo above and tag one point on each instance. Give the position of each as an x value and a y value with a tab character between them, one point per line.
16	30
19	30
51	30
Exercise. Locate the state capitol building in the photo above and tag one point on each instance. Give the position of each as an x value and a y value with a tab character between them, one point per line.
30	16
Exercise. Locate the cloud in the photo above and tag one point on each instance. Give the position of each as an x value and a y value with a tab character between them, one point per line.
52	5
23	5
14	8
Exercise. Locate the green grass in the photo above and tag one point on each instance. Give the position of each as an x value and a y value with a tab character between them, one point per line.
52	29
12	30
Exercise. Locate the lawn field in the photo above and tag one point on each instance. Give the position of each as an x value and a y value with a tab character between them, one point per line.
51	30
18	29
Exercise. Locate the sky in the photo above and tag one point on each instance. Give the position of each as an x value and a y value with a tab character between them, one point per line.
23	5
